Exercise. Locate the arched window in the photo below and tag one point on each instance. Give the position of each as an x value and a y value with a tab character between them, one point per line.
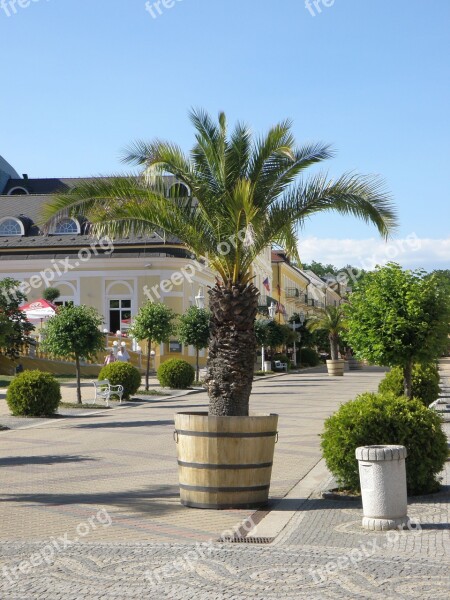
67	226
11	226
179	190
18	191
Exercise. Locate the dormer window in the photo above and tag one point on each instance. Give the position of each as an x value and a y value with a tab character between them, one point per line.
11	226
67	226
179	190
18	191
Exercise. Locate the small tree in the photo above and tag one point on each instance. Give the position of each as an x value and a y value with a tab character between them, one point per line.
74	333
51	294
330	320
14	328
398	318
154	323
193	330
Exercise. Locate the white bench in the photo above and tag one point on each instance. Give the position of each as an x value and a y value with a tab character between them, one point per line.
279	365
104	390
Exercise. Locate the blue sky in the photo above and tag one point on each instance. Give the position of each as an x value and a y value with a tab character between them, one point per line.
80	80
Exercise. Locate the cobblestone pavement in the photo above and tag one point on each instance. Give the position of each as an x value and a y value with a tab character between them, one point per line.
59	476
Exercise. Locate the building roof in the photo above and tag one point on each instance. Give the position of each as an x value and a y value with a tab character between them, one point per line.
7	169
29	208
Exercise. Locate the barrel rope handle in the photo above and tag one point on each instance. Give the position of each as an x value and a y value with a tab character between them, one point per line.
277	437
175	436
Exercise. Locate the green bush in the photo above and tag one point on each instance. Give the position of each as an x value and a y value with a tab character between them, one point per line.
377	419
309	357
122	373
176	374
425	383
33	394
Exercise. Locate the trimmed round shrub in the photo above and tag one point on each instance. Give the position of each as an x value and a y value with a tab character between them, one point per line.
378	419
425	383
309	357
122	373
176	374
33	394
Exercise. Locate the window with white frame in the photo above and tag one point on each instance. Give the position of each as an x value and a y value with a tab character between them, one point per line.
11	226
67	226
119	314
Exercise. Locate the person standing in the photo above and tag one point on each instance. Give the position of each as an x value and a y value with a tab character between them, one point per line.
110	358
122	354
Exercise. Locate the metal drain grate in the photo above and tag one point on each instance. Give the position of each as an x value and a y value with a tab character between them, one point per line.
246	540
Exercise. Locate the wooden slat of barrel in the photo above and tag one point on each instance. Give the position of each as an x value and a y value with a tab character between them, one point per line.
225	462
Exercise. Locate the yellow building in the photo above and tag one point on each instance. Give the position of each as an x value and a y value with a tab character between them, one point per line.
296	290
114	276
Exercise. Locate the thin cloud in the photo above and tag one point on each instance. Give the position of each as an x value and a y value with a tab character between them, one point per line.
411	252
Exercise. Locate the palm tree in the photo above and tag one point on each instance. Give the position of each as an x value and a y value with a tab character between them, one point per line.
246	193
330	320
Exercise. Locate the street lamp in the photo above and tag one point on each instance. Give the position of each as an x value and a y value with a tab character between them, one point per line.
295	326
200	299
272	312
105	333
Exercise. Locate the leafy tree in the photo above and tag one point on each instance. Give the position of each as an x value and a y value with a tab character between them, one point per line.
246	194
74	333
276	335
262	331
321	269
272	334
331	321
51	294
154	323
193	330
5	329
399	317
14	328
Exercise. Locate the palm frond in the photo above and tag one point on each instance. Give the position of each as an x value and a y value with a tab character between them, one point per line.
241	189
362	196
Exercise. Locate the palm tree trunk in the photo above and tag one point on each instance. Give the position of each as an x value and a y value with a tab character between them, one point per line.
407	376
78	378
147	371
232	349
334	346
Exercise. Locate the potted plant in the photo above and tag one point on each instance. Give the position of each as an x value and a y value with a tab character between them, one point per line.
244	195
331	320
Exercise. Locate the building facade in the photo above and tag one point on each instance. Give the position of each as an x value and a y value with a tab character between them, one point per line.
116	277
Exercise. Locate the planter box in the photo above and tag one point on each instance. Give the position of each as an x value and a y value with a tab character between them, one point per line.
354	364
225	462
336	367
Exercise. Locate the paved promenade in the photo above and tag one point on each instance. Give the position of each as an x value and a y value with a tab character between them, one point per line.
94	500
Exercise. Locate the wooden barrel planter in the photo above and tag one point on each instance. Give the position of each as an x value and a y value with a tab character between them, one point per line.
336	367
354	364
225	462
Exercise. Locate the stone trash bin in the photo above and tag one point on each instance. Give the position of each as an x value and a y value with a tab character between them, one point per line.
382	474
